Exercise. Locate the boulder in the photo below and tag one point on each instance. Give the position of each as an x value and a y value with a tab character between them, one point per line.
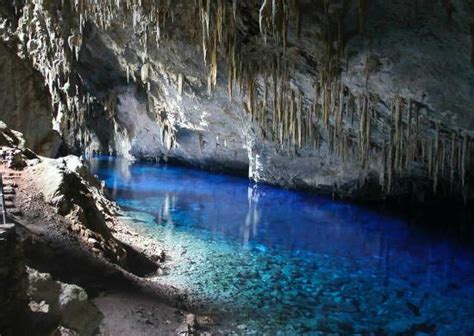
69	303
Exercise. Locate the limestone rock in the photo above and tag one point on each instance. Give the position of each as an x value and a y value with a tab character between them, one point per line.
13	279
69	302
364	100
62	331
66	184
24	103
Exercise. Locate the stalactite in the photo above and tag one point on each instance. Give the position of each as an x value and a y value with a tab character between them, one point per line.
326	105
468	154
452	159
398	133
234	9
443	158
464	150
429	155
145	72
291	113
180	84
298	20
472	44
212	76
367	134
264	17
409	147
273	16
220	19
291	120
251	98
363	9
299	105
390	169
384	167
459	146
364	131
435	160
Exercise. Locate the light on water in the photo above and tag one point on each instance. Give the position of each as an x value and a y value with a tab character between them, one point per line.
273	260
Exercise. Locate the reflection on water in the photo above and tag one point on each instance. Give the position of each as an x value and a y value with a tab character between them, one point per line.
278	260
121	171
253	215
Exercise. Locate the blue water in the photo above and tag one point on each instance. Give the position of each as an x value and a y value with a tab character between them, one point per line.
273	261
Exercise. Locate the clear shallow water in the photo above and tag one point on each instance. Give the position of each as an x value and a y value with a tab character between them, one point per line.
278	261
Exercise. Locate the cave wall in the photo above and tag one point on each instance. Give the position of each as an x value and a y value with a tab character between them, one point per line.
24	103
362	99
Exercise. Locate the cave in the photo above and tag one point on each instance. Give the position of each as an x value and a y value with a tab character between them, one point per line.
236	167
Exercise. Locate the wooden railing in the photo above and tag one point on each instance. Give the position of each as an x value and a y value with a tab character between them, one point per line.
3	209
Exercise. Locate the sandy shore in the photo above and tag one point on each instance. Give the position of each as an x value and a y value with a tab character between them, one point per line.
128	313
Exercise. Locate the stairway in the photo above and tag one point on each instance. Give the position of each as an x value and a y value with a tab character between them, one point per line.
3	213
7	203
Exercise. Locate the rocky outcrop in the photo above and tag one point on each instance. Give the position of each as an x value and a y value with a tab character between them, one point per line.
13	279
13	150
68	188
66	184
33	303
362	99
67	304
10	138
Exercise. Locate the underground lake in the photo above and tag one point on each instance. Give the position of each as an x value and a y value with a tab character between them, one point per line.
278	261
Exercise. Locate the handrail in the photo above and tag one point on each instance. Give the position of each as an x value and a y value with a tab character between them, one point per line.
2	200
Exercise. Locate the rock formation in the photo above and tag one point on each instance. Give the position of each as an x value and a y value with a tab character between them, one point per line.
25	103
25	292
67	186
59	212
13	278
363	99
67	304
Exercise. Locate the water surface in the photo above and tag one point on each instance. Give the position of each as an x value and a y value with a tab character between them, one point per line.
283	262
